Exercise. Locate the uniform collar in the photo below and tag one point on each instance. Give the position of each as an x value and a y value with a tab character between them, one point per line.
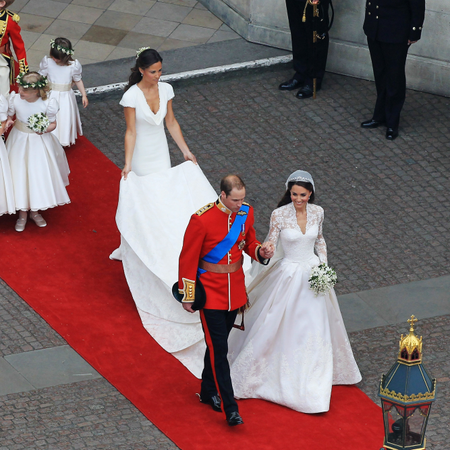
222	207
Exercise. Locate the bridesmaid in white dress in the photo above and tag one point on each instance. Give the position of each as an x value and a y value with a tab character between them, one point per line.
38	163
295	346
62	71
155	205
147	102
7	205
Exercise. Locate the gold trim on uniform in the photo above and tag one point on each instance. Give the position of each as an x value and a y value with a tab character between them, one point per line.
23	66
188	291
204	209
222	207
256	252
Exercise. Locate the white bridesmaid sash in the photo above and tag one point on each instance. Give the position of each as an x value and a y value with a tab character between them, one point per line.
22	126
60	87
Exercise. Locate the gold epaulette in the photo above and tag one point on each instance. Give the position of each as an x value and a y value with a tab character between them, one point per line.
245	203
23	66
14	16
204	209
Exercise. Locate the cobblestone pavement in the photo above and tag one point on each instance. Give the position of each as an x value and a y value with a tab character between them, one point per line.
387	211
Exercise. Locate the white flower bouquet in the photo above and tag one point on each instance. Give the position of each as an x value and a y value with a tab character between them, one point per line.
38	122
322	279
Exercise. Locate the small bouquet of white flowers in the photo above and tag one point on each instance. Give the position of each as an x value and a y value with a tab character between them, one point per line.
38	122
322	279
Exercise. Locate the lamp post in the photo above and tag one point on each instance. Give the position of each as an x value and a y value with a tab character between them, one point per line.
406	393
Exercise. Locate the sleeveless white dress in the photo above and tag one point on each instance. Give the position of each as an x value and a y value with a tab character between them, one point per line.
39	167
155	205
61	79
7	204
295	346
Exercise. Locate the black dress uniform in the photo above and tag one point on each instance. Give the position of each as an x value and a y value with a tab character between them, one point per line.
389	25
309	59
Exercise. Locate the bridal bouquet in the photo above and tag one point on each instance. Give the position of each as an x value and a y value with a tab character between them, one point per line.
322	279
38	122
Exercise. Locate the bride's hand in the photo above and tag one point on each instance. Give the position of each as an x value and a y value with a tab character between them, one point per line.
267	250
125	171
188	156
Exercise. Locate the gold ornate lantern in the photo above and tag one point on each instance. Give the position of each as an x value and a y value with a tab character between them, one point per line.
406	393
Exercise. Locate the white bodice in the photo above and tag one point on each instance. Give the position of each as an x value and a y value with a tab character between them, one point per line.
23	109
60	74
299	247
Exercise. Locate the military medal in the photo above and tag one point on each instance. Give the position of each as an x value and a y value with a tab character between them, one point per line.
243	229
241	244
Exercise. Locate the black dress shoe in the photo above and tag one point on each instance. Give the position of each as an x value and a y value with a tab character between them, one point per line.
214	401
371	124
234	419
305	92
391	134
290	85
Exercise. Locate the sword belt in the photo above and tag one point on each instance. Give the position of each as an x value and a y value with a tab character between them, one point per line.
221	268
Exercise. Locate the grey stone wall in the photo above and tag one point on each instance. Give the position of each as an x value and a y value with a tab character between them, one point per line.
265	22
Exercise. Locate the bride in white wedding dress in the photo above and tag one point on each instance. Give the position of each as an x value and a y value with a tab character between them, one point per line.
155	205
295	346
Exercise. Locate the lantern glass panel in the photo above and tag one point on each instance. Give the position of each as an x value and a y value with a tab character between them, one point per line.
415	425
394	424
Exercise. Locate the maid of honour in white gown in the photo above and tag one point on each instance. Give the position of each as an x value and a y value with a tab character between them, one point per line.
295	346
155	205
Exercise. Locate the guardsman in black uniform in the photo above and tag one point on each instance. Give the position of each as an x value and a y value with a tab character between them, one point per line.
391	26
309	59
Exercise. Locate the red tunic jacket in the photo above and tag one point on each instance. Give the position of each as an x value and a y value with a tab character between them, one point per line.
10	33
207	227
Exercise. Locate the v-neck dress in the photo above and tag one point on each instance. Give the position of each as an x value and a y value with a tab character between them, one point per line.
295	346
151	152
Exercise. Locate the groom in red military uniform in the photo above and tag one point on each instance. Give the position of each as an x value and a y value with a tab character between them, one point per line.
10	34
212	251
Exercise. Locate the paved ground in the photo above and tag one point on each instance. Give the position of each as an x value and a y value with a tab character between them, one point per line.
387	210
104	30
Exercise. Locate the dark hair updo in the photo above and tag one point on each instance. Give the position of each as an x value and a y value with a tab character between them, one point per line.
65	51
145	59
287	195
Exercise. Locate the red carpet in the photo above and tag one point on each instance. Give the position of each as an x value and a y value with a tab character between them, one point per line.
63	272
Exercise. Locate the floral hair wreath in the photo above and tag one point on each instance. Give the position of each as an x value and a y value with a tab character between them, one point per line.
142	49
60	48
43	82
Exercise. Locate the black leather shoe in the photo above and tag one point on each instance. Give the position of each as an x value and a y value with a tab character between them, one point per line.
305	92
371	124
290	85
234	419
214	401
391	134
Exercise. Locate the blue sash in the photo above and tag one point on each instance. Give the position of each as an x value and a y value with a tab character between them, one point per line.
224	246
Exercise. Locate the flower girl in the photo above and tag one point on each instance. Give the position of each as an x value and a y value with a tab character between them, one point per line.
6	187
62	70
38	163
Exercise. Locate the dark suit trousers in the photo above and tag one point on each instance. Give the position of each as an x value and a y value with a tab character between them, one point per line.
388	62
217	325
309	59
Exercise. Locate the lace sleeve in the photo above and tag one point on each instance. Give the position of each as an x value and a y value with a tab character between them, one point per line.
275	228
320	245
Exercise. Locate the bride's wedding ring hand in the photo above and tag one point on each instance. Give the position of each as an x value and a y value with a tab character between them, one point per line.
267	250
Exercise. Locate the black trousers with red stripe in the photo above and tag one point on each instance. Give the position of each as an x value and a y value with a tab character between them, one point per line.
217	325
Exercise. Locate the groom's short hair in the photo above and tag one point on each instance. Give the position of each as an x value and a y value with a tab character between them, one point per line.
230	182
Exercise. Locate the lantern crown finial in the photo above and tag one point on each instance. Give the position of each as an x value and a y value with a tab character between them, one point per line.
410	346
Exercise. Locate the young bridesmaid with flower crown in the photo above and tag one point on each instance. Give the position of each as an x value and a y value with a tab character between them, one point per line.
38	163
62	71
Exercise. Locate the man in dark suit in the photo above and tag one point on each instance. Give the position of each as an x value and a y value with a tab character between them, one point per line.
309	58
391	26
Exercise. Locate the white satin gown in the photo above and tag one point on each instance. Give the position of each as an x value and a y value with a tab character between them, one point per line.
155	205
295	346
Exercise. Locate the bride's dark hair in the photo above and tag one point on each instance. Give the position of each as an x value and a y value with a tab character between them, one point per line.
287	195
146	59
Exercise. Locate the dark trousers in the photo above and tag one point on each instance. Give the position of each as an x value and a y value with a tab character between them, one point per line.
388	62
309	59
217	325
